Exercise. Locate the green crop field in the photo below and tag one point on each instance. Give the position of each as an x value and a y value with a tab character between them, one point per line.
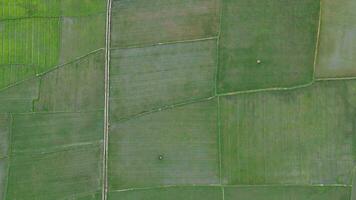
177	100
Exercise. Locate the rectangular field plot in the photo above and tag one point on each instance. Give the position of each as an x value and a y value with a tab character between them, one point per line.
68	174
12	9
78	86
3	177
303	136
170	193
178	146
142	79
19	98
136	22
267	44
337	48
81	35
287	193
27	47
56	156
5	124
49	132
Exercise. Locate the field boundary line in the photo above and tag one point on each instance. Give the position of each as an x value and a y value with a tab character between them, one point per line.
231	186
49	17
219	139
223	192
336	78
104	195
316	53
267	89
167	107
70	62
58	112
50	70
165	43
9	153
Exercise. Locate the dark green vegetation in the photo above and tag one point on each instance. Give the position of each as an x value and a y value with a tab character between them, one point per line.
302	136
207	99
267	44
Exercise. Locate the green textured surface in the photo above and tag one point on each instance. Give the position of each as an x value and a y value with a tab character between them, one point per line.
337	48
55	155
3	177
52	132
185	136
64	174
170	136
5	124
28	46
170	193
136	22
13	9
303	136
280	33
142	79
74	87
81	35
287	193
19	98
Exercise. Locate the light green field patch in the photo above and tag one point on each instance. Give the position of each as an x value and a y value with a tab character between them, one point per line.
303	136
5	125
142	79
77	86
3	177
337	49
136	22
81	35
178	146
170	193
27	46
66	174
19	98
12	9
287	193
50	132
266	44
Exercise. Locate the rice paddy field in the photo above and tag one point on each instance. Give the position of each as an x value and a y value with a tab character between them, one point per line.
177	99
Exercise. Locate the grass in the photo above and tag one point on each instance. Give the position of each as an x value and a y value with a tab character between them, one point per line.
267	44
337	40
304	136
135	22
142	79
185	136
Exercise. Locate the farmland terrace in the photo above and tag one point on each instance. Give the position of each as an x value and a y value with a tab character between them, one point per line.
177	99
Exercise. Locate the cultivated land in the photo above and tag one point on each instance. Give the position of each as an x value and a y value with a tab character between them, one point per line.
137	23
144	79
279	34
337	54
186	138
166	100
